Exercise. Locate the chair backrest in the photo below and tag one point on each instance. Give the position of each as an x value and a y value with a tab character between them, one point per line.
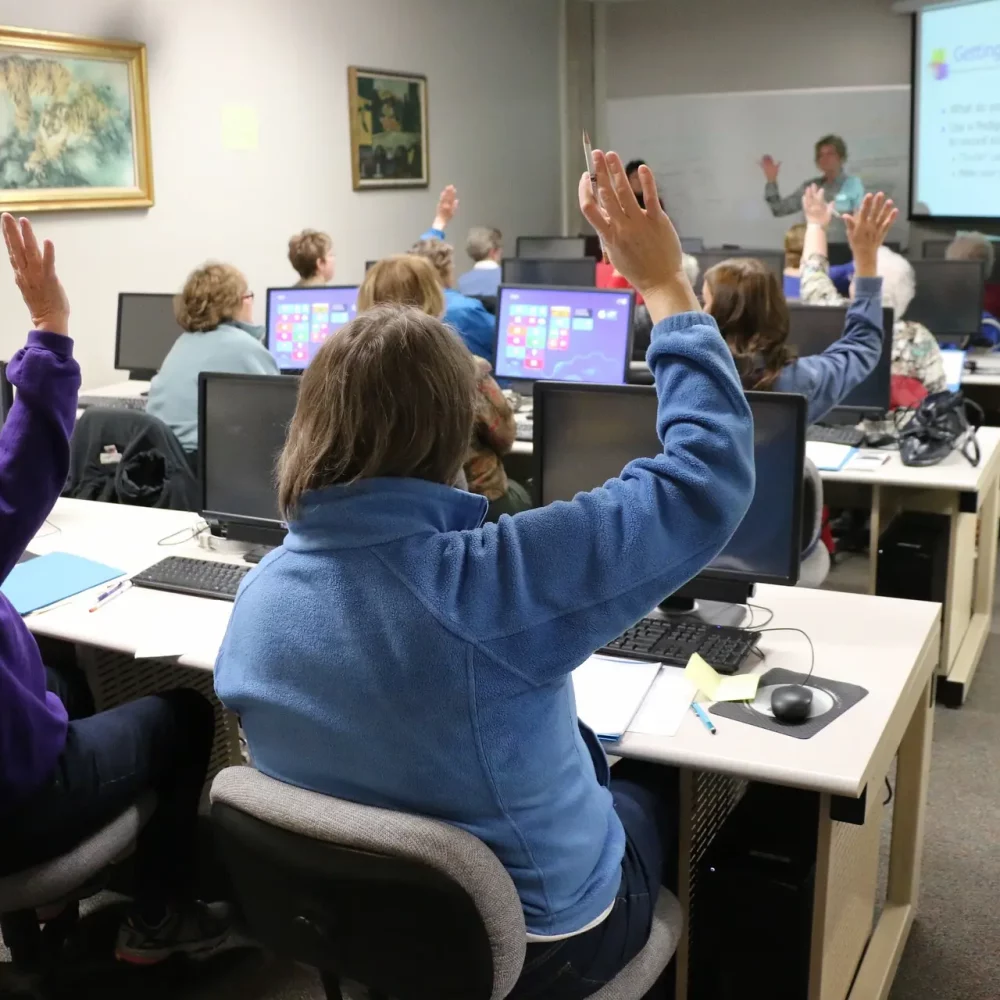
812	506
488	302
411	907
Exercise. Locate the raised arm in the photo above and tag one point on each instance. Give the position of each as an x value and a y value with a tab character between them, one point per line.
447	206
778	205
816	286
588	568
34	442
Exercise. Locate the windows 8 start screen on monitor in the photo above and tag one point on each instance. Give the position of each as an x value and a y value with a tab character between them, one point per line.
565	335
299	320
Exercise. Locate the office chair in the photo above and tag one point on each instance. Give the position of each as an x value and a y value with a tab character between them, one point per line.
815	565
489	303
411	908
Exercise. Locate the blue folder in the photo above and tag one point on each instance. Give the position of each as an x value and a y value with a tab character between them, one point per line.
49	579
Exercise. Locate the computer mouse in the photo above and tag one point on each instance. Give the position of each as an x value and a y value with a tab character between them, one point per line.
790	702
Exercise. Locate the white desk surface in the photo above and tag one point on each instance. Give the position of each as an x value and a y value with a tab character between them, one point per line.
878	642
119	390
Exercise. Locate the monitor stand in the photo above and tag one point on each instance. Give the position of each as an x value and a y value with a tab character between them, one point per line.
723	602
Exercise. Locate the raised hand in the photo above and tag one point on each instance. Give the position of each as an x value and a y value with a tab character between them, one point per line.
867	229
35	276
447	206
817	209
770	166
642	244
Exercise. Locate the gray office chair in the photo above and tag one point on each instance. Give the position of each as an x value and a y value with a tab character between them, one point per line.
64	881
411	908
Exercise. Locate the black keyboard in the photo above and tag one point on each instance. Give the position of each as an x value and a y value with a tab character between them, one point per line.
843	434
673	640
197	577
112	402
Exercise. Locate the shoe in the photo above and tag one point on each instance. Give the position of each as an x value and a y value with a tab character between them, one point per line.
199	931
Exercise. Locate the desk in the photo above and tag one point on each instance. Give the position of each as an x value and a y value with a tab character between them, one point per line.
128	389
890	647
968	496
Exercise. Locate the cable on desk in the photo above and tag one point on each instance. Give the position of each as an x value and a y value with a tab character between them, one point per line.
56	530
757	607
888	788
187	535
812	648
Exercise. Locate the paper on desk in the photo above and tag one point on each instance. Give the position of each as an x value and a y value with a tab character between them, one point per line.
609	692
828	457
740	687
198	626
666	705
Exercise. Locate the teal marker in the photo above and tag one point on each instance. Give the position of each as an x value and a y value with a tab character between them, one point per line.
703	716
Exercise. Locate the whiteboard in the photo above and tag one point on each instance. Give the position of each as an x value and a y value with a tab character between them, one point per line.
704	150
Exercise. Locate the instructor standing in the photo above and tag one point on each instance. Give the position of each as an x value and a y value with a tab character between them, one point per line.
844	190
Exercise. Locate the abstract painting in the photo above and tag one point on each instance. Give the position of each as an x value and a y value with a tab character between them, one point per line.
74	123
388	129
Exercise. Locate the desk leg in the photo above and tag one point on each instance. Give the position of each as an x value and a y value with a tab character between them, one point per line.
874	531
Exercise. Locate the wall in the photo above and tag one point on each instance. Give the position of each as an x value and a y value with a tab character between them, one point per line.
492	81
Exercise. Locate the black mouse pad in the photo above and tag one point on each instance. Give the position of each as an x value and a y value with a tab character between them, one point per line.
830	700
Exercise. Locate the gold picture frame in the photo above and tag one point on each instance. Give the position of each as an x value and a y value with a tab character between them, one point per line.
76	132
388	116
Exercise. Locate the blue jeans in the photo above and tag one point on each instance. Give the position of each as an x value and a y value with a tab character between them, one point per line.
160	743
645	797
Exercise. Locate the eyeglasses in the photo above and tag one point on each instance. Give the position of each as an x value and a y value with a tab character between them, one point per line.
248	295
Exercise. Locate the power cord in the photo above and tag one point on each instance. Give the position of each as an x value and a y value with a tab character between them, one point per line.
888	788
812	648
56	530
187	535
757	607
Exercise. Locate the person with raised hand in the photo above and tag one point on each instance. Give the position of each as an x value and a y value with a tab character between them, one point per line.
491	619
64	778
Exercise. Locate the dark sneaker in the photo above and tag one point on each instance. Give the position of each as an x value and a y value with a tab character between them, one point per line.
199	931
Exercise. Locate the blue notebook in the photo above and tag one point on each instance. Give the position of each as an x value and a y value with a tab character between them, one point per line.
48	579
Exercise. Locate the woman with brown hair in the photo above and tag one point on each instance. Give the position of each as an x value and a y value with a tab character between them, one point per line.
411	281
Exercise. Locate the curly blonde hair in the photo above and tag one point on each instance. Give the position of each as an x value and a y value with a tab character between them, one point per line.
212	295
442	257
307	249
405	280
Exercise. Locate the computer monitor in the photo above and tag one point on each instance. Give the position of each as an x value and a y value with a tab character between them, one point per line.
369	264
692	244
565	334
774	260
551	246
242	423
586	434
949	299
146	330
572	272
812	329
300	319
936	249
6	393
841	253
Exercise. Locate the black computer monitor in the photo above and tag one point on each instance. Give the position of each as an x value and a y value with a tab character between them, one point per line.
300	319
812	329
949	299
551	246
934	249
369	264
146	330
773	260
841	253
6	393
564	334
586	434
242	422
692	244
572	272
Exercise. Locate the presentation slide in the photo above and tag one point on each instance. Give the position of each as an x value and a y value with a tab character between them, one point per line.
956	141
300	319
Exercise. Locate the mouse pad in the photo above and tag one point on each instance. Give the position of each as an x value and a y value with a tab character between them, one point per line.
830	700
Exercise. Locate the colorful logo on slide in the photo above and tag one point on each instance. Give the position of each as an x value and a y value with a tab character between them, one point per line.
939	64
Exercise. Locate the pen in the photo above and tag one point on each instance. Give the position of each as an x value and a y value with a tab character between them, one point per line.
112	592
703	717
588	153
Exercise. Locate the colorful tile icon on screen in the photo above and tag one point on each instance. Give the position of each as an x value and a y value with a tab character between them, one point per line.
939	64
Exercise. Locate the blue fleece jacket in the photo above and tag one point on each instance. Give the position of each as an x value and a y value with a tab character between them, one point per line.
825	379
398	652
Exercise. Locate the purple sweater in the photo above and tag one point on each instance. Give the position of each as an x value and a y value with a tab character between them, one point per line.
34	460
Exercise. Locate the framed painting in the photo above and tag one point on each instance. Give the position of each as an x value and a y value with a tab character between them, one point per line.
388	113
74	123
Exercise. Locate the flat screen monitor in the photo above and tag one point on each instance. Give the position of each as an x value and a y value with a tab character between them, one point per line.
369	264
242	422
146	330
552	246
774	260
841	253
565	334
692	244
300	319
813	329
949	299
572	272
586	434
6	393
936	249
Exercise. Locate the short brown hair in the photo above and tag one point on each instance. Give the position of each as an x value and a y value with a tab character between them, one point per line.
441	255
749	305
403	280
391	395
795	243
832	140
973	246
212	295
307	249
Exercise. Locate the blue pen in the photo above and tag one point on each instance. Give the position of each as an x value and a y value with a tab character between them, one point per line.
703	717
113	591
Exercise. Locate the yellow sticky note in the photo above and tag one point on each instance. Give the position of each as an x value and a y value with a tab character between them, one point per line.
239	127
741	687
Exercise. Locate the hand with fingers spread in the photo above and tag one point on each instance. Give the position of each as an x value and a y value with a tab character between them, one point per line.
447	206
642	244
770	166
867	229
818	211
35	276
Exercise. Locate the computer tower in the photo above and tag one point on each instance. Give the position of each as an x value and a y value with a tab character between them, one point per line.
913	557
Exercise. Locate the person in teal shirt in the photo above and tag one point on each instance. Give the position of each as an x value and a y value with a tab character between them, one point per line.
215	309
843	189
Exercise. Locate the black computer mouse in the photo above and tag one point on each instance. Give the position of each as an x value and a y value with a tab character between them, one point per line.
790	702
